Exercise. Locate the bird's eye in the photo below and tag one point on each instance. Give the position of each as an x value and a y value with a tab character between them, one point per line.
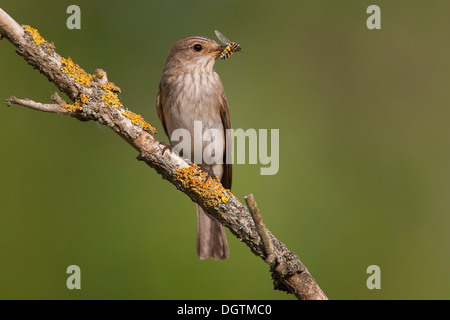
197	47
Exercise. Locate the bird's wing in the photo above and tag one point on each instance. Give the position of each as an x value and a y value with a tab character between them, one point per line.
159	108
226	122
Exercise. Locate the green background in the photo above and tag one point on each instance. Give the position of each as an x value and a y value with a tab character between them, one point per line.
364	152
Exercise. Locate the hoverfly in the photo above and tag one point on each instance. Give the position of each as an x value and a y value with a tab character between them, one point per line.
231	47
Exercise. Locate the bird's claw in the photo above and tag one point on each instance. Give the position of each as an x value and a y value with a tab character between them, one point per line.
166	147
210	174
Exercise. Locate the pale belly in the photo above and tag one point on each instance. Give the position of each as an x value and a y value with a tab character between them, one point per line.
201	126
194	118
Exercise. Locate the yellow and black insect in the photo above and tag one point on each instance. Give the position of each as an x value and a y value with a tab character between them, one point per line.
231	47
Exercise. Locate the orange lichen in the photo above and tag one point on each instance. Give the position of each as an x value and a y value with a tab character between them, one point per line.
209	190
77	73
111	99
84	98
73	107
37	38
110	86
138	120
50	47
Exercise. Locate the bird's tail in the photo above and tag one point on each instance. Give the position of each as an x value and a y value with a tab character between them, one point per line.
211	238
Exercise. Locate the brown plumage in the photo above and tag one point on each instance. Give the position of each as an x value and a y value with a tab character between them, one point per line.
190	90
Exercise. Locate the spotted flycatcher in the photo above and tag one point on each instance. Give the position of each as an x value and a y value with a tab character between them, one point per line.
191	93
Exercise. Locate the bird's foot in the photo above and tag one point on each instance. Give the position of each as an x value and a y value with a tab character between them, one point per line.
166	147
210	174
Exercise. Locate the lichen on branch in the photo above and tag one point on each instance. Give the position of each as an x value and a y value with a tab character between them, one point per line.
75	72
209	190
37	38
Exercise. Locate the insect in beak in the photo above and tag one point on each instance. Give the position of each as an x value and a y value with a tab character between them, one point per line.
217	50
229	47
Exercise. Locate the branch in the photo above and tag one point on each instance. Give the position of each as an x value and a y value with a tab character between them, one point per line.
95	98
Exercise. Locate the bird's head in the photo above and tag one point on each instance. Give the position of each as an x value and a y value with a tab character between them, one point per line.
194	53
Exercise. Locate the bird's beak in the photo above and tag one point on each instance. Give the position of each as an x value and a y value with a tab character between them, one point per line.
217	50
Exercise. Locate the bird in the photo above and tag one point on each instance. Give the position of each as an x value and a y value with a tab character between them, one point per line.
190	90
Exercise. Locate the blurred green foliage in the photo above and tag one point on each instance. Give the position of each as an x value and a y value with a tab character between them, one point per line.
364	152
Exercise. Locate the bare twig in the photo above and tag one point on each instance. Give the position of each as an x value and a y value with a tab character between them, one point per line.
95	98
57	98
54	108
261	227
